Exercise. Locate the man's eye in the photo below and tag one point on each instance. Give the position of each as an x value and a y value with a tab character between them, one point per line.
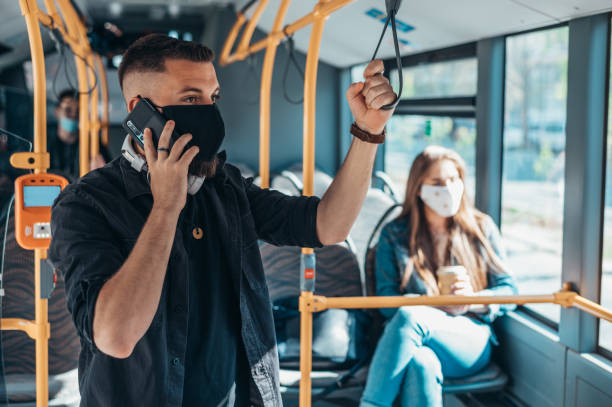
216	97
191	99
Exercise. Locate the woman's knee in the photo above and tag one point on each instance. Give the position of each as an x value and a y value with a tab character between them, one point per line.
414	315
425	366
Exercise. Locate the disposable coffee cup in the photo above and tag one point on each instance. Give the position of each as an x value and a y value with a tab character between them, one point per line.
449	275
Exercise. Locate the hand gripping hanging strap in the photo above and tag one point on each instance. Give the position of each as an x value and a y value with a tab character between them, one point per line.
392	9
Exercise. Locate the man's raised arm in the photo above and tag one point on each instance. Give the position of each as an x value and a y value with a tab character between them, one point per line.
344	198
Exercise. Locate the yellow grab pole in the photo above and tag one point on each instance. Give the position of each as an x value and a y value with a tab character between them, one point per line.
43	331
224	58
310	91
244	51
30	11
104	96
72	23
321	303
83	117
264	98
310	95
564	298
243	45
305	348
591	307
94	124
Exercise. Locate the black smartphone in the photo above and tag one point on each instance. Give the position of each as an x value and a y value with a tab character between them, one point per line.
146	115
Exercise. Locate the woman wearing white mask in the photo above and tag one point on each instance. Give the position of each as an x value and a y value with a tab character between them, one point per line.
438	227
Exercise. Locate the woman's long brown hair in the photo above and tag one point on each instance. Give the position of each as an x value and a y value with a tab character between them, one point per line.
466	236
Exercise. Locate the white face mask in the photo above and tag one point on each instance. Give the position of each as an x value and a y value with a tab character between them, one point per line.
446	200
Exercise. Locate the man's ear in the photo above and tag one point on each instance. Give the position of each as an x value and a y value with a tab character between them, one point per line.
131	103
56	112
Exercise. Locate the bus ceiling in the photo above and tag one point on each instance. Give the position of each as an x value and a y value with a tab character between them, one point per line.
421	25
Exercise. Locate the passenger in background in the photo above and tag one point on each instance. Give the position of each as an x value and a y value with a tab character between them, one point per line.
439	227
63	146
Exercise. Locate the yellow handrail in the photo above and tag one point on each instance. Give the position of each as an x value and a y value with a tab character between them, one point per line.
264	97
310	303
563	298
75	28
104	123
321	11
39	328
324	7
73	33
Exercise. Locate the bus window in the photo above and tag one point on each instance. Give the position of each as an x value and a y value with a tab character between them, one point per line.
605	328
409	133
442	79
534	160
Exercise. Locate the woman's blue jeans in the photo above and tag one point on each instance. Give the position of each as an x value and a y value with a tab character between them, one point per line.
420	346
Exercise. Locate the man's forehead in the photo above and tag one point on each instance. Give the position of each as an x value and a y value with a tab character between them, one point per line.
178	75
67	101
183	71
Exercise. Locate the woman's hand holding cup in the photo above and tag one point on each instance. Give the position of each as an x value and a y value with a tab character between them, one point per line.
454	280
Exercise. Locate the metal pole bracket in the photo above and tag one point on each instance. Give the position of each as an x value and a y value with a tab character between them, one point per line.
31	161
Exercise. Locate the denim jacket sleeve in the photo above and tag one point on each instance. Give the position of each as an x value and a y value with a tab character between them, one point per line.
387	273
283	220
84	251
499	282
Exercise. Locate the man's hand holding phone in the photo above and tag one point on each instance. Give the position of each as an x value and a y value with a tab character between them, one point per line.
168	169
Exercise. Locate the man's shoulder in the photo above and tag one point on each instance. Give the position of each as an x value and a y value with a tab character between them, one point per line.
232	171
96	186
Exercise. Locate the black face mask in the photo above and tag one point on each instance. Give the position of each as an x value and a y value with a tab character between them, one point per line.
203	122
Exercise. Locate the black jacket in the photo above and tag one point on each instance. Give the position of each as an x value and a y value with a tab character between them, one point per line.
95	223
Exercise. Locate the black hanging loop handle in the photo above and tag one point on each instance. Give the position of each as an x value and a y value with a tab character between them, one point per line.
291	59
392	9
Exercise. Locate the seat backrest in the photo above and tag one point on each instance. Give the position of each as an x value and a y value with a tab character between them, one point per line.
375	205
245	170
370	255
322	181
18	282
337	271
387	185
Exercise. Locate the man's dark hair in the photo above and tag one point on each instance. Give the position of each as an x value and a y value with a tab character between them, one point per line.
67	93
149	53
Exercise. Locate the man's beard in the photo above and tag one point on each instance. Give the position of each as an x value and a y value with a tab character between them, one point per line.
206	169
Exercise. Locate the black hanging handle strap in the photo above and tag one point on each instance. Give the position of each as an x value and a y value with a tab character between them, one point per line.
392	9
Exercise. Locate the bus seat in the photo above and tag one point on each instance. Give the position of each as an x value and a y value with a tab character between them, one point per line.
346	387
245	170
375	205
340	337
63	389
387	185
322	180
489	379
18	349
337	271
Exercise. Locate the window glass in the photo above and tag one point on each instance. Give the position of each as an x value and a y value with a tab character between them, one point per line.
357	72
441	79
605	328
407	136
534	161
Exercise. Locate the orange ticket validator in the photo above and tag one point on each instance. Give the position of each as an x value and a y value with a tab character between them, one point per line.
34	196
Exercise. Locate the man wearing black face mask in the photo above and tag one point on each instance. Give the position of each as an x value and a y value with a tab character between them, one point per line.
160	256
